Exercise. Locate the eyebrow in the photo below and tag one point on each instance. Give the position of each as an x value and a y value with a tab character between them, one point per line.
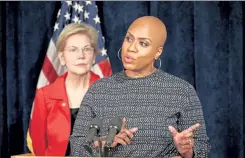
142	38
83	46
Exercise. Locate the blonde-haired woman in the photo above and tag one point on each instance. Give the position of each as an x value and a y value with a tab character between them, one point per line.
56	105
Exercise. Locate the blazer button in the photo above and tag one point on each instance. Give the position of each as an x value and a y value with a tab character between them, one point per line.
63	104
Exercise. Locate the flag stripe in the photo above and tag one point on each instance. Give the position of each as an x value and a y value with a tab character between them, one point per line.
49	70
42	80
105	67
53	56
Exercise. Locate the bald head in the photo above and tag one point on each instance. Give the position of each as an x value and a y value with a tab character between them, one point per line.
155	27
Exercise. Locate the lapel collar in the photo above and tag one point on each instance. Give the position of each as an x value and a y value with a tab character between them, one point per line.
58	92
58	88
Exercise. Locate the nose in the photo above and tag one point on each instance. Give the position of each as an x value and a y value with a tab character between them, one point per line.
132	47
81	54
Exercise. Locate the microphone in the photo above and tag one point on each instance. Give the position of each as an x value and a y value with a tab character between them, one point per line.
115	126
94	128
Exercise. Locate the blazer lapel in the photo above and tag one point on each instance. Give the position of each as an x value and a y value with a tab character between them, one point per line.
59	93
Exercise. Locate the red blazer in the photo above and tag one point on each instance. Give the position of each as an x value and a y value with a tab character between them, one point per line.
50	124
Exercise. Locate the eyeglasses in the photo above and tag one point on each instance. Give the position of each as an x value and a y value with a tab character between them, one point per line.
87	50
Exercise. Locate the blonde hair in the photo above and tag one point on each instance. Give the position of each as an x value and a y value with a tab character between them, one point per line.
75	28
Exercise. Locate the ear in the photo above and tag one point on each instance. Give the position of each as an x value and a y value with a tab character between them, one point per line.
94	57
62	58
159	52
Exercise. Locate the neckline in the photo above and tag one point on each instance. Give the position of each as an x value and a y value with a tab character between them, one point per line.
153	74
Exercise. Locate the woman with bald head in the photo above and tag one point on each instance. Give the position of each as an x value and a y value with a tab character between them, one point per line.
162	115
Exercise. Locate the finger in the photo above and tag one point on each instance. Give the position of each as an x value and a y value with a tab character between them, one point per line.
96	144
188	135
120	141
133	130
121	135
124	137
123	123
173	131
186	147
192	128
102	139
187	141
113	144
103	144
129	134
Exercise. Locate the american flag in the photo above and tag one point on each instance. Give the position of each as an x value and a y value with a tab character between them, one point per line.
74	12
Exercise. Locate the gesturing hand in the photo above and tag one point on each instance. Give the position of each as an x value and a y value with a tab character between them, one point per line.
123	137
184	140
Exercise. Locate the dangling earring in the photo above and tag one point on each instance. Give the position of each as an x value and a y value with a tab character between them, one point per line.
160	63
118	54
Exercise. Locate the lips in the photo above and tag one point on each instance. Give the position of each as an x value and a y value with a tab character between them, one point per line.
128	59
81	64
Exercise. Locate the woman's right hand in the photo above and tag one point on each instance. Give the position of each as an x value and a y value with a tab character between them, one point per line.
123	137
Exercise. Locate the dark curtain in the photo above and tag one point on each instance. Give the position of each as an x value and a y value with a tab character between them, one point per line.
2	117
27	30
204	47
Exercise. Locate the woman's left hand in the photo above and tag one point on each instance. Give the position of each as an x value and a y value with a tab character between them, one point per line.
184	140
